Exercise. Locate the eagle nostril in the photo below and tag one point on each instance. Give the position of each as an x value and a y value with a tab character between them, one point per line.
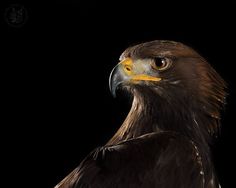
128	68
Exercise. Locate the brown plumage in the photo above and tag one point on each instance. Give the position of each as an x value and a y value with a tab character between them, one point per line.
164	141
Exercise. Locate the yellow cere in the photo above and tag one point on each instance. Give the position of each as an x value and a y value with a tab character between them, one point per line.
127	66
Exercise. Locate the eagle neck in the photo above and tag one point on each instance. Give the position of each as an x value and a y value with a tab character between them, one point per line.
152	114
139	121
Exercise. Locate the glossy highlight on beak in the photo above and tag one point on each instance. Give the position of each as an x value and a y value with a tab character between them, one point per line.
115	79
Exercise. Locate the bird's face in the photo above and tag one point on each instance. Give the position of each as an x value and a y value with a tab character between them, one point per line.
139	72
163	67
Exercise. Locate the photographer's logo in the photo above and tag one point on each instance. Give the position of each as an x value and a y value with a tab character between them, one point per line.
16	15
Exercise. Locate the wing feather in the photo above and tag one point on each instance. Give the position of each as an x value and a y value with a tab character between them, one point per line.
163	160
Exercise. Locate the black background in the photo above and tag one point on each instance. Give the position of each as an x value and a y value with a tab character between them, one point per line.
54	78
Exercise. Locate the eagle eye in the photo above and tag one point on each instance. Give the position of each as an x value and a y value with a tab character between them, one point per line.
160	63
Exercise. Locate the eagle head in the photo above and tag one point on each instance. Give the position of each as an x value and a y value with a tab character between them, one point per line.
174	81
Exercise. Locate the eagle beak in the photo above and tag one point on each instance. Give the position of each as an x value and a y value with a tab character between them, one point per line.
127	71
115	79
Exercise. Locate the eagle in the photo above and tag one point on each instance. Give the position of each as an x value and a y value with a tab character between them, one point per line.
165	140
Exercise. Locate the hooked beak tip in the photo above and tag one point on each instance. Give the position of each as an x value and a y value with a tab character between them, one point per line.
113	81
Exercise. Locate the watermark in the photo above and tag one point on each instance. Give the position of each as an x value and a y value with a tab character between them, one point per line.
16	15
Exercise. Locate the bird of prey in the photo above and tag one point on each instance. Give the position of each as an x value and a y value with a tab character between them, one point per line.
165	140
